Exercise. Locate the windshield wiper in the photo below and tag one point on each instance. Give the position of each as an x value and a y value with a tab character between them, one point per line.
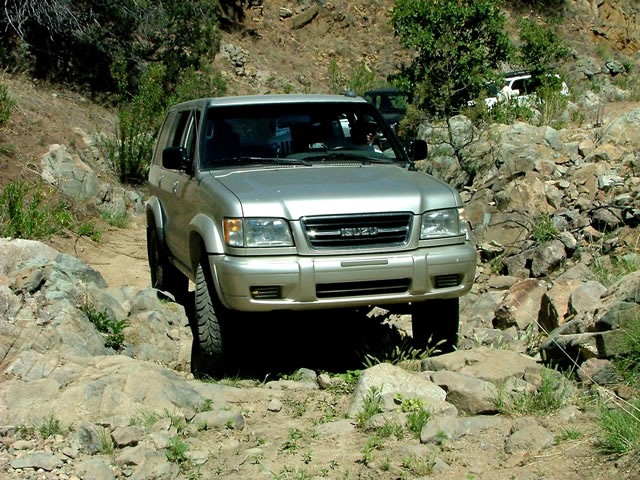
362	157
244	160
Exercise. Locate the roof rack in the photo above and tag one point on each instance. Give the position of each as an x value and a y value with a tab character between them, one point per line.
516	73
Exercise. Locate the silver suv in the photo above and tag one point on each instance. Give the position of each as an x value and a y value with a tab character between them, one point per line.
288	202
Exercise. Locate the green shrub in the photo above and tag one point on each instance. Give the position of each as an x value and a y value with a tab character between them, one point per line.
50	427
176	451
552	394
90	230
510	111
370	407
609	269
620	429
358	80
115	219
6	104
26	213
130	150
628	364
205	82
111	328
544	229
458	48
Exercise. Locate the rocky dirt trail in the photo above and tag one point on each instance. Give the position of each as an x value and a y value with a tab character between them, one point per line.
292	430
120	255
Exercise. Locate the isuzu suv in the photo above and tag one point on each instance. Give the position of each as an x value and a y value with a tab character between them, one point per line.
288	202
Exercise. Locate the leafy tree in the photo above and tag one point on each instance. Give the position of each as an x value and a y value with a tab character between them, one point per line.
458	43
541	51
79	41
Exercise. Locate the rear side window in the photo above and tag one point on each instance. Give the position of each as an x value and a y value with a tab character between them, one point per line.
522	85
186	132
181	130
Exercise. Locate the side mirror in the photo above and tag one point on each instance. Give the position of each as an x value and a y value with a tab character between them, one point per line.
418	150
175	158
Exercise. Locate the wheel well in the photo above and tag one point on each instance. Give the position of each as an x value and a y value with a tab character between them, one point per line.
196	247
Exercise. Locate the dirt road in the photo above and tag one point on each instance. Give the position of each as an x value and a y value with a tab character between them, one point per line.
120	255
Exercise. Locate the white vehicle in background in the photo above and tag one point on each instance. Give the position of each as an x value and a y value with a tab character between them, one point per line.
517	86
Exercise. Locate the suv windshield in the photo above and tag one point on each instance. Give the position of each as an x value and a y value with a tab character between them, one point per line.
302	133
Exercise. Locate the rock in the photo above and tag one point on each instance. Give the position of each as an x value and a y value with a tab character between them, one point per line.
521	305
547	258
304	18
69	173
441	429
585	297
598	372
95	468
87	438
385	378
554	305
470	395
495	366
37	460
219	419
531	439
127	436
606	220
567	350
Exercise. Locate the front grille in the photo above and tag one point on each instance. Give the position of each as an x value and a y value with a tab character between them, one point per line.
353	289
352	231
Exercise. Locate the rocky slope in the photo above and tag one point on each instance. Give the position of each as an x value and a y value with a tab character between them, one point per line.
72	407
77	404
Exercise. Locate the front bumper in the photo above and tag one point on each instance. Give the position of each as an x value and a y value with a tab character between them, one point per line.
303	283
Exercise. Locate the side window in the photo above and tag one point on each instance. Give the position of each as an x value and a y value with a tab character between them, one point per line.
186	132
520	85
190	139
181	122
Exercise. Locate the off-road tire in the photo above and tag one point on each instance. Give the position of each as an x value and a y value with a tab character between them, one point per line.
208	328
435	324
164	276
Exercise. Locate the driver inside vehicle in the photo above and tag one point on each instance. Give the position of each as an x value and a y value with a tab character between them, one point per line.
363	134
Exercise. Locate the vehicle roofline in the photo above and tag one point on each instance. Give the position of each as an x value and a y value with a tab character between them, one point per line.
244	100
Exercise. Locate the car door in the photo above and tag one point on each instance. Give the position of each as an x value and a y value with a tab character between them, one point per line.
177	182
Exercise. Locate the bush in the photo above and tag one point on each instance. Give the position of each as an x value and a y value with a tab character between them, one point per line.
459	45
628	364
131	148
78	42
6	104
544	229
139	119
25	212
358	80
541	50
620	429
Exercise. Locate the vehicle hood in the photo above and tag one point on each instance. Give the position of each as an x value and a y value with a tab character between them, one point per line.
295	192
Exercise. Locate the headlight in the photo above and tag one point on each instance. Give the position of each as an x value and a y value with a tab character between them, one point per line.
443	223
257	232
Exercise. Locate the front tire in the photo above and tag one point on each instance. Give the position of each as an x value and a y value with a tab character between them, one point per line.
164	276
435	324
208	331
